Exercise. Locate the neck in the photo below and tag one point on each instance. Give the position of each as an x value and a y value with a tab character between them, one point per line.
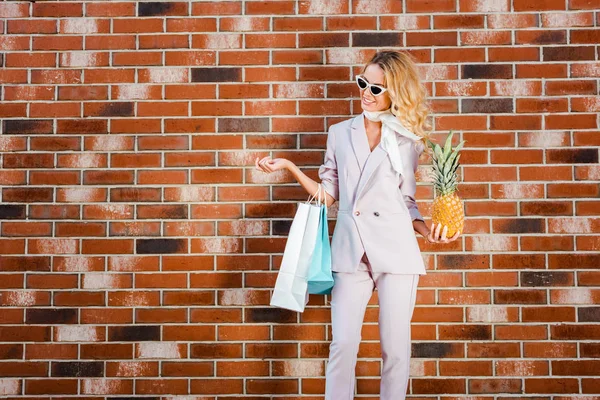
372	125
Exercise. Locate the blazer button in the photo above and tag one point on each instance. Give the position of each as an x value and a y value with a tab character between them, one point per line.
376	214
357	213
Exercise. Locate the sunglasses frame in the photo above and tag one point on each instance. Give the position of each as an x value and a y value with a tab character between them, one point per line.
369	86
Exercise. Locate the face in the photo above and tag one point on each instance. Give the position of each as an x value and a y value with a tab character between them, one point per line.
374	74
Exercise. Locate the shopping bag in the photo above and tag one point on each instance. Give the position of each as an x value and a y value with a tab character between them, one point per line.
291	287
320	277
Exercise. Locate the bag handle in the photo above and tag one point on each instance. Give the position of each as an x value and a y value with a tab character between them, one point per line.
317	195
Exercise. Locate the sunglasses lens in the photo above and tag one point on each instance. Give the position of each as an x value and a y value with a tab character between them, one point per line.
376	90
361	83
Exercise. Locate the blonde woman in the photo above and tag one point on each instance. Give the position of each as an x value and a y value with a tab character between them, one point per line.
369	167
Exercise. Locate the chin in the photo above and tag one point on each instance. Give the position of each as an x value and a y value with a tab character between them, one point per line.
372	107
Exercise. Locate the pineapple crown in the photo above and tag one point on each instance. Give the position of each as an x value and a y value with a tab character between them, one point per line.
445	165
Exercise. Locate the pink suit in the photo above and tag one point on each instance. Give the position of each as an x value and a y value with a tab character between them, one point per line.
373	246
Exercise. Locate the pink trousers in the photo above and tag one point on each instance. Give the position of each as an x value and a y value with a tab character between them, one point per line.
351	292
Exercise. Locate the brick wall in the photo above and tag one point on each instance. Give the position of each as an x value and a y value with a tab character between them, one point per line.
139	246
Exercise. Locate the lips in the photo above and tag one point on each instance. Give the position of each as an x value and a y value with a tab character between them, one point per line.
367	101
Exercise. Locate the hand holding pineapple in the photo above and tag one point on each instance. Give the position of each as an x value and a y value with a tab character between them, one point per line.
447	206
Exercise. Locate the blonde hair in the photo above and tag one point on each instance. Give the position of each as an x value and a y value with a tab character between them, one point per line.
406	91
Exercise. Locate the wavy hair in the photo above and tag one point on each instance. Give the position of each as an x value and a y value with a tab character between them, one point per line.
406	91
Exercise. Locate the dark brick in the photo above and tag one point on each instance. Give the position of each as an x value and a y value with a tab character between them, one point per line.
220	74
51	316
588	314
90	368
436	350
487	71
519	225
134	333
12	212
466	332
519	296
82	126
487	106
27	127
570	53
160	246
281	228
546	278
11	351
277	315
548	37
463	261
572	156
376	39
243	125
117	109
27	195
589	350
24	263
148	9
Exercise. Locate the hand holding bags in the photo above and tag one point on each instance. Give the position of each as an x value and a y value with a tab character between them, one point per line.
291	287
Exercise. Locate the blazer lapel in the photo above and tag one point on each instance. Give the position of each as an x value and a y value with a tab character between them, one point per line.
370	160
360	143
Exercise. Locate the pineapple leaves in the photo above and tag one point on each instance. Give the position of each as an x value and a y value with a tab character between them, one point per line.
445	165
448	144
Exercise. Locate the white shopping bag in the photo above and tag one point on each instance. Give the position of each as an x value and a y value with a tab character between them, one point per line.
291	286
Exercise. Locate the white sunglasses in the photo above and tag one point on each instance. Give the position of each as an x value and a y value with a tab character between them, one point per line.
375	90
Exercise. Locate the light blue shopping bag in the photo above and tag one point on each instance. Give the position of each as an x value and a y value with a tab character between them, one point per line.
320	277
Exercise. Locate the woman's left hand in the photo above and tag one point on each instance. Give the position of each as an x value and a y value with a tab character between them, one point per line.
435	237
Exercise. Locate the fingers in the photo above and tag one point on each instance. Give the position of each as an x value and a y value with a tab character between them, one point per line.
444	232
455	236
430	236
264	164
435	236
437	231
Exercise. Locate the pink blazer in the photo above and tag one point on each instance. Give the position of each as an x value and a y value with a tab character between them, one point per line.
376	209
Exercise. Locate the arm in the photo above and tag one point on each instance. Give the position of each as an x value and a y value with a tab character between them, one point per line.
409	189
309	184
327	172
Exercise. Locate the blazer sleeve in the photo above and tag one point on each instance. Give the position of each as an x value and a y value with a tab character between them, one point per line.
328	171
409	186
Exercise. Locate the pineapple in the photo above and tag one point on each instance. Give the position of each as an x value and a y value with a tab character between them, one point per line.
447	206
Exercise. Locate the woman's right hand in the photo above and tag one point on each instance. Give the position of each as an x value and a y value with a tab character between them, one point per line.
268	165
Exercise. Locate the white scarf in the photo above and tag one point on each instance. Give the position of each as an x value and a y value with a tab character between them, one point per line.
389	141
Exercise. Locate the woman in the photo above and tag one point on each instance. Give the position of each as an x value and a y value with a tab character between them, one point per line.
369	167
